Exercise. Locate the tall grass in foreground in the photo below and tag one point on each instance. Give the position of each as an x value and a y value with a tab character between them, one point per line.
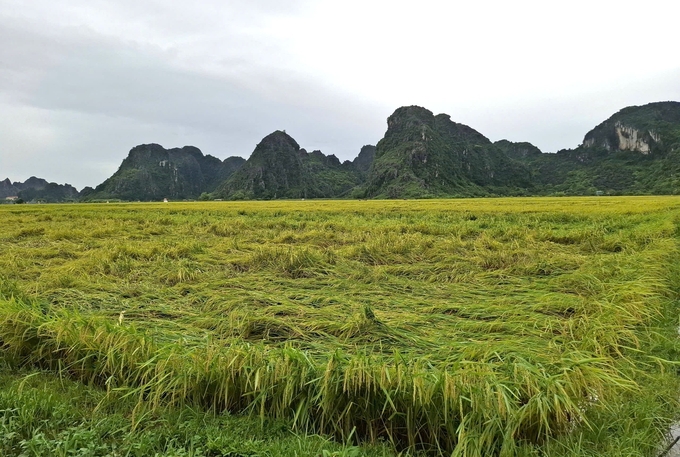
458	330
492	402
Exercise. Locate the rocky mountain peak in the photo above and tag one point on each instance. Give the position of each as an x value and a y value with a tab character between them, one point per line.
521	150
643	129
365	158
279	139
151	172
427	155
279	168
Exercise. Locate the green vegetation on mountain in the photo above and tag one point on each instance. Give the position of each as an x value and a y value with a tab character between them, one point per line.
649	129
51	193
364	160
151	172
518	151
636	151
8	189
423	155
38	190
279	168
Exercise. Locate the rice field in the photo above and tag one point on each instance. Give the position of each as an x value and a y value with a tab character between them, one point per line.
469	327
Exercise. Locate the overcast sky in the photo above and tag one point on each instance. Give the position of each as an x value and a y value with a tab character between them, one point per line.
83	81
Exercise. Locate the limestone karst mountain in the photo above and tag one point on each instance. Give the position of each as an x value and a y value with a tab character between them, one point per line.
151	172
650	129
364	160
423	155
635	151
8	189
38	190
279	168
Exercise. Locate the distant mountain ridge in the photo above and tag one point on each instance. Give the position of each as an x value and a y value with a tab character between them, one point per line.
422	155
38	189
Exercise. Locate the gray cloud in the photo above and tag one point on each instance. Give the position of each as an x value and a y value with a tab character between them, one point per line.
98	97
83	82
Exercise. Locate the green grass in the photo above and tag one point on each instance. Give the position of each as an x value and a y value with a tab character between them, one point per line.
43	415
472	327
